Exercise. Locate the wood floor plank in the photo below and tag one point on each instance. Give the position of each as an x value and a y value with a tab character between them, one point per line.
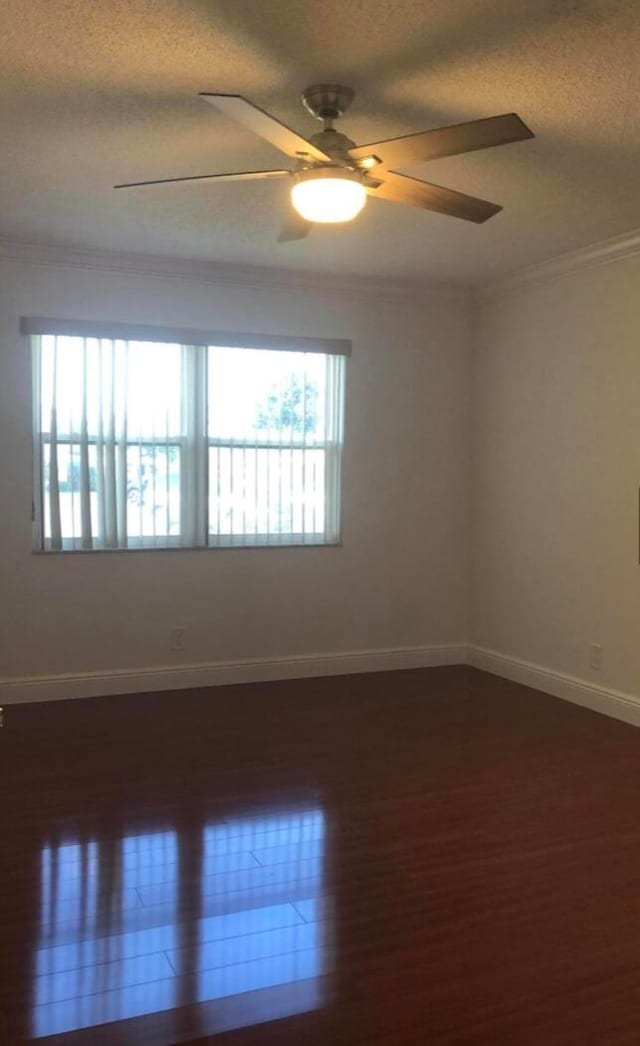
99	977
427	858
132	944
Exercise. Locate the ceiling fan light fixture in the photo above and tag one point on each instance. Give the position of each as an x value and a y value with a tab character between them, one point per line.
328	194
368	162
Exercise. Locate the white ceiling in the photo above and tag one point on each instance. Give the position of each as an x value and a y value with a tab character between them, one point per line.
99	93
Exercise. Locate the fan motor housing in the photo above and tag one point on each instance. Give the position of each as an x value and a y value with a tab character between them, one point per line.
334	144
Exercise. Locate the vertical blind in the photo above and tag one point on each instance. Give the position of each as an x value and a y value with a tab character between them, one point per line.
142	444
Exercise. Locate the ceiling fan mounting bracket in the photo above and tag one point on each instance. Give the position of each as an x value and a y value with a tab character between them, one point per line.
327	102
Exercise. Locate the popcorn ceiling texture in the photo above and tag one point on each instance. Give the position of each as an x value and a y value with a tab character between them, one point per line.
99	93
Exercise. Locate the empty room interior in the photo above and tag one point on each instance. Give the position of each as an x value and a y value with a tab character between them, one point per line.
320	488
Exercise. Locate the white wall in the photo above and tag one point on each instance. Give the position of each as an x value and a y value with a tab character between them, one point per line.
401	577
556	467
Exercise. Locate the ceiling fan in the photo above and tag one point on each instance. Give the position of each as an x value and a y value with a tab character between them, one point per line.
332	177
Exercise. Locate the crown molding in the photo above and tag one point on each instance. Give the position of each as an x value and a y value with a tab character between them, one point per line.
617	248
257	277
262	277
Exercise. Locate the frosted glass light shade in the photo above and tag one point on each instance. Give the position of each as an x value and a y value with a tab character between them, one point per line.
328	197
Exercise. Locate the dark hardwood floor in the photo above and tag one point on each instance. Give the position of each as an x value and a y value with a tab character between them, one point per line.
424	857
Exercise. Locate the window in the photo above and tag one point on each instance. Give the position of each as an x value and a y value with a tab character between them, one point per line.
147	442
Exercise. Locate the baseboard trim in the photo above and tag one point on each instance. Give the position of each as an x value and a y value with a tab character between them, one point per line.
609	702
222	673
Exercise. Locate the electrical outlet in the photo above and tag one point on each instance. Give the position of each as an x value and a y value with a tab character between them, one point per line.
596	657
177	638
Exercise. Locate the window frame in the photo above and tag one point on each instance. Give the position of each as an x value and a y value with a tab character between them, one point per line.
194	465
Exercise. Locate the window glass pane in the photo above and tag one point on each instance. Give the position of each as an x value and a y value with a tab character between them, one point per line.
62	383
265	395
154	381
257	491
153	490
69	484
116	382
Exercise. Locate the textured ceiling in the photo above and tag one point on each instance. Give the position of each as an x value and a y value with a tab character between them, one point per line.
99	93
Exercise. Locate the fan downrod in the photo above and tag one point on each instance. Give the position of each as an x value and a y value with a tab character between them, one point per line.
327	102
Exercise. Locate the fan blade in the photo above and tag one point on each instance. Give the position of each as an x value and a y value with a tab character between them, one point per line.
264	125
295	228
240	176
446	141
402	189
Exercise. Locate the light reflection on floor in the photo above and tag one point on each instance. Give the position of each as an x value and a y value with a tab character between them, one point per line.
151	922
